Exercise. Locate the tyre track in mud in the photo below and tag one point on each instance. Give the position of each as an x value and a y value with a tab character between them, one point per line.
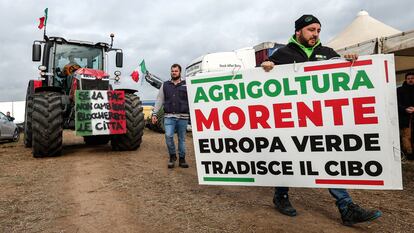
99	204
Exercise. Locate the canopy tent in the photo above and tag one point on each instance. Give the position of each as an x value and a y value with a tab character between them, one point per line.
373	37
363	28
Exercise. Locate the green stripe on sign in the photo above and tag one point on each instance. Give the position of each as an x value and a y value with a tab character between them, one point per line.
216	79
228	179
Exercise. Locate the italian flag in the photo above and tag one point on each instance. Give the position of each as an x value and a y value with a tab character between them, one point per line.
43	20
100	113
141	70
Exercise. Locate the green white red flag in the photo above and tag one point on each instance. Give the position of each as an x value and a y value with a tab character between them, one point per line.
139	71
43	20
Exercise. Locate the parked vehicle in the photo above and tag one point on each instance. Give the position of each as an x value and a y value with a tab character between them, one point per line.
8	129
245	58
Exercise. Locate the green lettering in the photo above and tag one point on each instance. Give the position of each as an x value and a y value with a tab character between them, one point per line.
268	91
286	88
217	97
340	79
200	95
230	90
302	80
325	85
251	92
242	91
362	79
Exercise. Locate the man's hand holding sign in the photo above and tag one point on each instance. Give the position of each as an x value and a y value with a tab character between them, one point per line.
326	124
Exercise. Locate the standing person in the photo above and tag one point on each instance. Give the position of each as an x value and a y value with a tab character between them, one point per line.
9	116
173	96
304	46
405	97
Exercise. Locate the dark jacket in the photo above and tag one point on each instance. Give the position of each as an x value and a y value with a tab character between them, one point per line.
175	97
292	53
405	97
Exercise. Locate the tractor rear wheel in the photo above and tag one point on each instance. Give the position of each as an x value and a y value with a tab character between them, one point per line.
47	124
160	122
132	139
159	126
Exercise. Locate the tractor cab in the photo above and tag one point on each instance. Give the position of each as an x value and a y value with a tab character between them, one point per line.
61	58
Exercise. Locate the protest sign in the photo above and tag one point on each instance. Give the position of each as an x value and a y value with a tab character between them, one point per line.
327	124
100	112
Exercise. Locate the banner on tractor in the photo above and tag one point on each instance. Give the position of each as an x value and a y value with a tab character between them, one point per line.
327	124
100	113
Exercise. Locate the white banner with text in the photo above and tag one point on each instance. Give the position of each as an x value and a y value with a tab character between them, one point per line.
327	124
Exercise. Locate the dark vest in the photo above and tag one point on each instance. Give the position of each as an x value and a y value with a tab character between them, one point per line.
175	97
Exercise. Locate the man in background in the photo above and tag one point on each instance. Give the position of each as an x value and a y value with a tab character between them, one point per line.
405	97
173	96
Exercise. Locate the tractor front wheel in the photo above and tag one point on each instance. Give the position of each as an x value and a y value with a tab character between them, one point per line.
132	139
47	124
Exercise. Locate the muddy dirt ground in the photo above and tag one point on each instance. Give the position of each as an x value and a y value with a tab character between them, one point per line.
97	190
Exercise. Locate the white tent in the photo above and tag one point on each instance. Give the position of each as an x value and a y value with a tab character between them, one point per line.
363	28
370	36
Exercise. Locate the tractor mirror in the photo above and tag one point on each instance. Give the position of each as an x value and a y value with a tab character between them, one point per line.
119	58
37	49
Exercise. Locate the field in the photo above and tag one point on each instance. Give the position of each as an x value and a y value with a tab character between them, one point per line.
94	189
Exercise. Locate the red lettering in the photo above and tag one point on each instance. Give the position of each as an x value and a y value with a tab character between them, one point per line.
212	119
255	120
279	115
241	118
360	111
304	112
336	105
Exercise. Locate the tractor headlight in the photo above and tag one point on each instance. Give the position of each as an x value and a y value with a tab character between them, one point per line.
117	73
42	68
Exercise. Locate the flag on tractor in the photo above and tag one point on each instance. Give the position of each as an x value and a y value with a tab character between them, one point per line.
139	71
43	20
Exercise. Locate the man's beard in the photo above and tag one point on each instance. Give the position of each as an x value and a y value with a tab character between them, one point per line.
305	42
175	78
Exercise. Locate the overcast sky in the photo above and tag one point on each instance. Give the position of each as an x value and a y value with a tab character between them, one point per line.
166	32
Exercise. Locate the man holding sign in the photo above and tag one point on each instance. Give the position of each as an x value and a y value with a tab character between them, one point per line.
305	46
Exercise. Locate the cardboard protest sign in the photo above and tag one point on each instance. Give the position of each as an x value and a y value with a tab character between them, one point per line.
328	124
99	112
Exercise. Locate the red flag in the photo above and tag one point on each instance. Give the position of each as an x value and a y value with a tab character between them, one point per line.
42	22
135	75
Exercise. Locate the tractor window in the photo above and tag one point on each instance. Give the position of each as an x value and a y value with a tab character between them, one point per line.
84	56
70	57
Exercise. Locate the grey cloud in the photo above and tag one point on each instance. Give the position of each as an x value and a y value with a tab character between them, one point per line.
164	32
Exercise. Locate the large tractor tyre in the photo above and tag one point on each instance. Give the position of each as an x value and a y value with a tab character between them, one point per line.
159	126
47	124
96	140
134	125
28	115
160	122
